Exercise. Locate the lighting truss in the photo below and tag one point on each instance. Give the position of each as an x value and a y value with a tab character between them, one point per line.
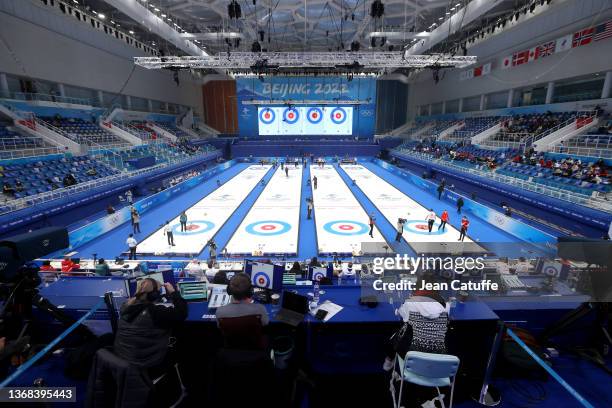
368	60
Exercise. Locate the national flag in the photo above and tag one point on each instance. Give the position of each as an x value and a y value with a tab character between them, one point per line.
564	43
486	68
582	37
520	58
478	71
534	54
546	49
603	31
506	62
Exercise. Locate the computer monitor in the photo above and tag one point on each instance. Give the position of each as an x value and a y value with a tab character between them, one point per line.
265	275
316	273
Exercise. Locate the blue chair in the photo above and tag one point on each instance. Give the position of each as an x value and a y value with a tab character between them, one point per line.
425	370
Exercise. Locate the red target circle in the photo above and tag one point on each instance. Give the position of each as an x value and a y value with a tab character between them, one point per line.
421	226
346	227
268	227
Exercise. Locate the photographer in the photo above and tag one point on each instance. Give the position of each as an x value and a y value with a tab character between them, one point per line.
145	325
212	245
400	229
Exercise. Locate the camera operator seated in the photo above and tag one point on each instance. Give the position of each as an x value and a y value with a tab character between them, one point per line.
145	325
241	320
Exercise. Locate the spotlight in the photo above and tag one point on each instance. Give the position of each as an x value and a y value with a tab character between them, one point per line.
377	9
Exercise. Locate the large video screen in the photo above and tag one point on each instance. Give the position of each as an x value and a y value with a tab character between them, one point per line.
305	120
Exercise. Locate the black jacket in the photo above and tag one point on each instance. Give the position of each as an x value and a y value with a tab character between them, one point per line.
144	329
114	382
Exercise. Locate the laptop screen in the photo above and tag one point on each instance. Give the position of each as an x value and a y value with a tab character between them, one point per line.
295	302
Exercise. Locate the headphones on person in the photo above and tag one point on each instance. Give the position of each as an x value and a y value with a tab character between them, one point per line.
248	293
151	296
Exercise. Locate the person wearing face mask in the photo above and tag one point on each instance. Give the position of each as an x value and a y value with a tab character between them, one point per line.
145	324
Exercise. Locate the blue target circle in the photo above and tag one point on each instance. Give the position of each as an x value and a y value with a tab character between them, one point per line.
268	228
193	227
291	115
315	115
261	280
338	115
346	227
420	227
317	276
267	116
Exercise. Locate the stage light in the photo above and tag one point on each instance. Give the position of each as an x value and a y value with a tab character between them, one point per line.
101	16
131	32
163	15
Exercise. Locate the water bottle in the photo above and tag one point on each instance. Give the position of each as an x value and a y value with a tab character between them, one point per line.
316	292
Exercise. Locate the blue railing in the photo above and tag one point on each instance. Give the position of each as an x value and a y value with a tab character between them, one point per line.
550	371
25	366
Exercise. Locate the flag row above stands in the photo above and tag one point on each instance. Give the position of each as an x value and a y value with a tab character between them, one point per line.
567	42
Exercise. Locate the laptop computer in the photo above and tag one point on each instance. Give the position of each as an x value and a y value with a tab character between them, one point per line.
293	308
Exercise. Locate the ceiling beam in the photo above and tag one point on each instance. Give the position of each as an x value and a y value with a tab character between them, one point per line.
455	23
155	24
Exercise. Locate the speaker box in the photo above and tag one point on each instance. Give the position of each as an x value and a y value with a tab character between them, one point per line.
29	246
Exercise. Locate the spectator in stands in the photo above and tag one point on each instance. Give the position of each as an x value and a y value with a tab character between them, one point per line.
132	243
145	325
110	209
218	183
92	172
8	190
69	180
102	268
18	186
425	317
241	290
129	197
183	221
68	265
